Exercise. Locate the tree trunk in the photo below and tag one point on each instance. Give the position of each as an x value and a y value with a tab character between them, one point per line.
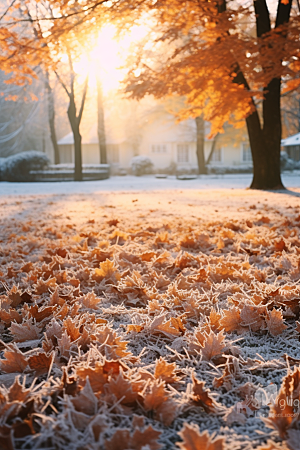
200	145
74	122
266	141
51	116
213	146
266	160
101	126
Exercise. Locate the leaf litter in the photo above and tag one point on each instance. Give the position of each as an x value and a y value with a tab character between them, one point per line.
118	335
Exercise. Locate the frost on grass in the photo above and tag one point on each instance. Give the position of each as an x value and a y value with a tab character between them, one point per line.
117	336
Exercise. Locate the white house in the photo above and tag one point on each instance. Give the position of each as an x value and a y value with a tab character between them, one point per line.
292	146
164	141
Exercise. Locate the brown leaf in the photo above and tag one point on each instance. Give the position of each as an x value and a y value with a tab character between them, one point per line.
251	317
201	396
17	393
165	371
231	320
122	440
41	362
194	440
14	360
97	377
274	322
213	345
25	331
157	399
123	389
86	401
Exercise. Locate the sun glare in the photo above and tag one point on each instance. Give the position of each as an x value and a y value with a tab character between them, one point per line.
108	57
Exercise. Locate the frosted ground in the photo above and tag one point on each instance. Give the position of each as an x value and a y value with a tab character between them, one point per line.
178	299
145	183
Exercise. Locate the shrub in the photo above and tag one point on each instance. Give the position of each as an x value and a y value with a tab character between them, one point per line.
18	167
141	165
287	163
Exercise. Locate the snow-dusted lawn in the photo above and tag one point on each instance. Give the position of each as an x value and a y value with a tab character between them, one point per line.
145	183
177	299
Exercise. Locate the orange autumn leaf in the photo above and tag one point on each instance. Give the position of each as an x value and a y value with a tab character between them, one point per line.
41	362
25	331
194	440
97	377
123	389
123	440
14	360
17	393
157	399
274	320
70	327
107	270
202	397
213	345
231	320
165	371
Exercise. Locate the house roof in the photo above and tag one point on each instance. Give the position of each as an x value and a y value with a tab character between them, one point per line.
292	140
91	137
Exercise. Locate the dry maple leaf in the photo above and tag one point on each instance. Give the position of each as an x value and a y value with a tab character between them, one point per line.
53	330
11	315
41	362
110	345
15	296
64	344
107	271
170	328
165	371
14	360
40	314
86	401
70	327
97	376
251	317
274	322
17	393
213	345
201	397
89	300
25	331
124	389
231	321
123	440
214	320
157	399
42	286
194	440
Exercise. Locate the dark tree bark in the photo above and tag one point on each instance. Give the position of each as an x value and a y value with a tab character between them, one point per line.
212	149
75	119
265	139
200	145
101	125
51	117
265	135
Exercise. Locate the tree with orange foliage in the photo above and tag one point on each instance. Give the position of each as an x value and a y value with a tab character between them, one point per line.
229	59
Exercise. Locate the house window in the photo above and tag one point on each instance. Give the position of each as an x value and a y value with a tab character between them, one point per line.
113	152
159	148
217	155
246	156
293	151
182	153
